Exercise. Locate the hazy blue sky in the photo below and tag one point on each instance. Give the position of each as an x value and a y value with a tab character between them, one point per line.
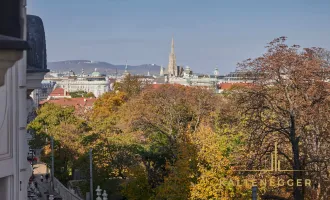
207	33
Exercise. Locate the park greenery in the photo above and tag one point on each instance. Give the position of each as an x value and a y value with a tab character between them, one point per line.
175	142
82	94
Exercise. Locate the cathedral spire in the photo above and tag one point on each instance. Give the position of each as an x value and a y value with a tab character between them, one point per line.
172	46
172	68
126	73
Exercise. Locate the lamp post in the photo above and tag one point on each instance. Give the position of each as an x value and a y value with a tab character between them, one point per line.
91	172
52	172
51	189
37	99
254	193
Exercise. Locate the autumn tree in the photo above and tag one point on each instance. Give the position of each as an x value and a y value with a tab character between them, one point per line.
201	170
289	104
66	129
168	110
213	167
159	117
114	151
131	85
182	173
136	186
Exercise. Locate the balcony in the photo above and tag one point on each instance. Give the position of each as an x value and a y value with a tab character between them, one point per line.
11	32
37	55
11	50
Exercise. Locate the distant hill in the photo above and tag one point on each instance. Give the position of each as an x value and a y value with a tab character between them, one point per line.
103	67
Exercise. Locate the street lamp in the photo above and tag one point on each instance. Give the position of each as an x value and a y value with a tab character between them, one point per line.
51	186
52	171
91	172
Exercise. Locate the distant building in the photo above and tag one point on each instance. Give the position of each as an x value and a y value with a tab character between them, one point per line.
187	72
53	74
185	76
81	104
58	93
216	72
126	73
238	76
161	73
112	82
42	93
146	79
76	102
96	83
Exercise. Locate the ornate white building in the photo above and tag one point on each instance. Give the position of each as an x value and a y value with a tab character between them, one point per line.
96	83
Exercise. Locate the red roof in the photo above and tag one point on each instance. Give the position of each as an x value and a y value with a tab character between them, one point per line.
76	102
228	86
59	92
156	86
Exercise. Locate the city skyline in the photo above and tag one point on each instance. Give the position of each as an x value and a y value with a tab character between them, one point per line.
206	34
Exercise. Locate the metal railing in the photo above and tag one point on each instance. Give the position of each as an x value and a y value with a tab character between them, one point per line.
64	192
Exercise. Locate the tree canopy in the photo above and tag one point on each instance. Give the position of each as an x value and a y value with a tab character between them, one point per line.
175	142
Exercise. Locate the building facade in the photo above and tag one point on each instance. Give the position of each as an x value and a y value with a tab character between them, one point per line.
16	82
96	83
42	93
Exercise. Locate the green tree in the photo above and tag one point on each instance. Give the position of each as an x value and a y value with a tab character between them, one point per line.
89	95
82	93
66	129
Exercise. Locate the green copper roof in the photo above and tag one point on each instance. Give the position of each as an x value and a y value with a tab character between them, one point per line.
96	74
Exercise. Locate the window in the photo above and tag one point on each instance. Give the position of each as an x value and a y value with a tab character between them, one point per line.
10	18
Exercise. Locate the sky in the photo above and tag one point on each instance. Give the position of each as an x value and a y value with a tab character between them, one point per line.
207	33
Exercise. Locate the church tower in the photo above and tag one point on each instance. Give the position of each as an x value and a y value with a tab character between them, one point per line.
172	68
126	73
216	71
161	73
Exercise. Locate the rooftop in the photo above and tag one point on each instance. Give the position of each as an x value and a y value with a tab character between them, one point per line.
228	86
76	102
58	92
